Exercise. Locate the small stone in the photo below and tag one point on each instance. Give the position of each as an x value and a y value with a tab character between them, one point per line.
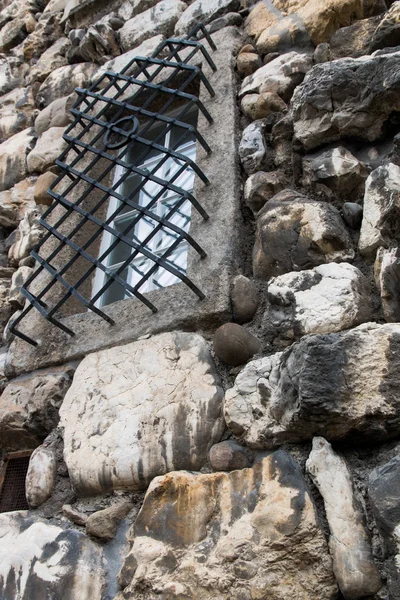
387	278
41	476
104	523
48	148
247	63
74	515
349	541
13	152
19	278
228	456
231	19
322	53
234	345
244	299
41	188
76	36
56	114
261	186
259	106
62	82
30	23
352	214
28	234
337	169
253	148
247	48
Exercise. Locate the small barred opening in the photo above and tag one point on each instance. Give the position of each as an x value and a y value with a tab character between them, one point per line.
12	482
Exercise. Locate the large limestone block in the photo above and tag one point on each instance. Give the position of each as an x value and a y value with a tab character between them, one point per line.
334	385
41	476
281	75
13	152
39	560
63	81
381	209
295	233
251	533
324	111
160	19
203	11
349	540
29	408
49	147
326	299
146	408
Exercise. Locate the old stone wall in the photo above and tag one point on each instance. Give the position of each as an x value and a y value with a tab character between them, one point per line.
247	446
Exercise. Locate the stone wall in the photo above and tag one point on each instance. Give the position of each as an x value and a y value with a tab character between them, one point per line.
246	447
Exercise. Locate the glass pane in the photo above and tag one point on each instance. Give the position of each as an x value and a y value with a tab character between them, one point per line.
163	278
180	218
115	291
178	133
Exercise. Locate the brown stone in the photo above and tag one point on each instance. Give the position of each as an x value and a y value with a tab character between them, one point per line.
41	188
228	456
104	523
234	345
260	106
247	63
261	186
244	299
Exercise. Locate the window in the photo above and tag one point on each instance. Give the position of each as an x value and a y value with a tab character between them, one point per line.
162	202
12	482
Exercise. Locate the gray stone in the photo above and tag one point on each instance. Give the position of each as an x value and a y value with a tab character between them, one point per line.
56	114
352	214
262	541
261	187
131	8
203	11
253	148
11	73
51	59
98	43
337	168
354	41
381	209
104	523
13	152
74	515
49	147
159	19
335	385
5	306
281	75
47	32
295	233
387	278
229	20
63	81
29	408
322	53
19	278
234	345
244	298
28	234
349	541
387	32
282	143
41	476
16	112
326	299
41	560
12	34
362	115
141	431
228	456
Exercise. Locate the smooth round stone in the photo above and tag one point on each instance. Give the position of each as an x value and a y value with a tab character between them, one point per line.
352	214
234	345
228	456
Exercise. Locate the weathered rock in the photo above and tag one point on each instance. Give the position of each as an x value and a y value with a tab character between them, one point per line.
337	168
56	114
160	19
387	278
247	63
47	31
41	476
40	560
16	112
326	299
259	106
323	110
11	73
281	141
41	188
335	385
228	456
295	233
381	209
12	34
289	32
55	5
15	297
8	213
116	65
98	43
48	148
28	234
203	11
74	515
13	152
253	150
131	8
353	41
352	214
281	75
387	32
261	16
244	299
51	59
248	534
349	540
234	345
322	53
63	81
18	199
161	410
5	306
261	187
229	20
104	523
29	408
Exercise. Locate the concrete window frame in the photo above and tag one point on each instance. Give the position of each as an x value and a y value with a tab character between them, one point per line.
178	307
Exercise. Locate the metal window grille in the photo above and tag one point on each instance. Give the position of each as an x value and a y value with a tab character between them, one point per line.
115	112
12	488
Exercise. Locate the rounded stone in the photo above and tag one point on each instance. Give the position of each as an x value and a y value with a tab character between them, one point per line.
244	299
352	214
234	345
260	106
247	63
322	53
228	456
